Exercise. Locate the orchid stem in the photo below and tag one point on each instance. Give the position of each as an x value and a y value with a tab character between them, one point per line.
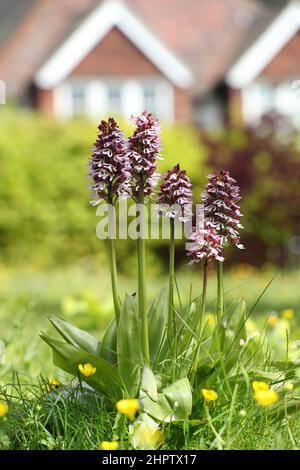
202	313
142	282
220	291
113	261
172	319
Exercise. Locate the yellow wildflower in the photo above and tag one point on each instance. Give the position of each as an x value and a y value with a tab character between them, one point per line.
260	386
147	436
87	369
51	385
243	412
272	320
128	407
266	397
211	319
209	395
287	313
105	445
3	409
288	386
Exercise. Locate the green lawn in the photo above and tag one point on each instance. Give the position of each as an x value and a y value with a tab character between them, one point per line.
82	295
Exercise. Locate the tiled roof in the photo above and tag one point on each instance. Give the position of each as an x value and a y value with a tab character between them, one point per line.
11	13
206	34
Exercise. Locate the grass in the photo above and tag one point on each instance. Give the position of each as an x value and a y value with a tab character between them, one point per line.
37	420
51	421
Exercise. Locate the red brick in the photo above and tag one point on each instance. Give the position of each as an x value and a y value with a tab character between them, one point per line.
286	64
45	102
115	55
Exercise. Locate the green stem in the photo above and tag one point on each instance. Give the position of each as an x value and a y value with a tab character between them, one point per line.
203	303
202	313
220	290
172	319
113	262
142	283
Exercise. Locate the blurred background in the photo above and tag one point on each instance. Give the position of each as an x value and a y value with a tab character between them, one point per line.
224	78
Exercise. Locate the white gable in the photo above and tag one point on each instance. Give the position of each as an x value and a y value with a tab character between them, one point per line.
267	46
111	13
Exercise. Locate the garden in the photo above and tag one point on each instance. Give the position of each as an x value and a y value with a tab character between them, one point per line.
184	340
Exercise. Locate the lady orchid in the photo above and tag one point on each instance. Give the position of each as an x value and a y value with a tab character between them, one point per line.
175	195
110	171
174	201
109	165
221	209
144	148
222	214
206	245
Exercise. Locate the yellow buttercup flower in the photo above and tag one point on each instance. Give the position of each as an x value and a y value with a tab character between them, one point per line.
287	313
272	320
259	386
51	385
87	369
147	437
3	409
128	407
211	319
266	397
209	395
105	445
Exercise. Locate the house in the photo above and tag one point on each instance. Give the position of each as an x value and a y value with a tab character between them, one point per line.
201	61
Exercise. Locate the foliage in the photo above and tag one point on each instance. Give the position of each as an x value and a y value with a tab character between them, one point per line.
46	218
266	162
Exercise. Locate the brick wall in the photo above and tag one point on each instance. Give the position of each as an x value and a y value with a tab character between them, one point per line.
183	105
286	64
115	55
45	101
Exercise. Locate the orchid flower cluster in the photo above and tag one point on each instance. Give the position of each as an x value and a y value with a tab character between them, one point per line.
121	168
175	196
109	166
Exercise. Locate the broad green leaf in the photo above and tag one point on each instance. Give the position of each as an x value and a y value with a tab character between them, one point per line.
109	343
229	331
75	336
68	357
179	395
157	320
128	346
173	403
148	383
159	409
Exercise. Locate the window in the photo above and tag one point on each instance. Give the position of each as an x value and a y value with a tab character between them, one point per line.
114	98
149	97
78	91
261	97
97	97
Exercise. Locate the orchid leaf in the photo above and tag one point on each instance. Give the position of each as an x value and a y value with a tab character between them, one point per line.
109	343
73	335
157	320
67	357
128	346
